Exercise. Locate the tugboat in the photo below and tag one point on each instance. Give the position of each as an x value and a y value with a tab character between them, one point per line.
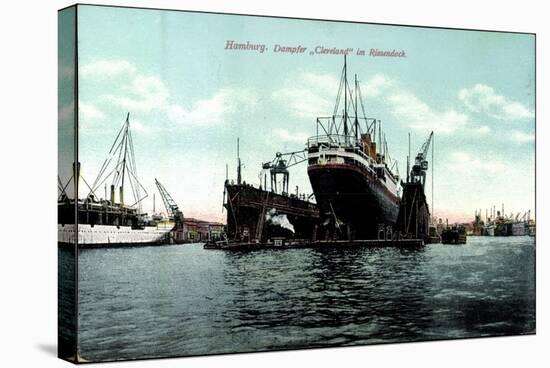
455	234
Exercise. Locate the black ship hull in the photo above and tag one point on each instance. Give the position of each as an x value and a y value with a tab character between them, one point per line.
453	236
247	207
353	204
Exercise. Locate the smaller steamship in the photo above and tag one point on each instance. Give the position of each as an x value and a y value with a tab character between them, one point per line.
95	221
256	214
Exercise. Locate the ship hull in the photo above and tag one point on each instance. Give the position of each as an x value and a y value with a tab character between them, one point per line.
110	235
511	229
246	214
489	230
518	229
353	199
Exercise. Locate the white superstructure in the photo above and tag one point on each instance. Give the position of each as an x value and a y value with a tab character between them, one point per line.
328	153
113	235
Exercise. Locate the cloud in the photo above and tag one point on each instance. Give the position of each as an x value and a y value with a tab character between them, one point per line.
482	130
468	165
89	111
418	115
323	82
137	125
483	99
286	136
145	93
309	96
522	137
149	95
376	85
312	95
107	68
213	110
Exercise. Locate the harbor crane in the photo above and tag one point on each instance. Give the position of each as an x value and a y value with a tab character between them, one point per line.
171	206
280	164
418	172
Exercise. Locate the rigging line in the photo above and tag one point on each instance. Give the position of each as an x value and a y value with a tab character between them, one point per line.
322	126
59	184
137	181
66	185
133	190
91	191
133	154
133	167
107	176
337	102
336	126
130	170
132	151
352	103
119	149
433	171
121	160
118	135
363	107
139	200
100	172
61	192
135	187
125	152
108	162
110	158
119	146
338	96
116	174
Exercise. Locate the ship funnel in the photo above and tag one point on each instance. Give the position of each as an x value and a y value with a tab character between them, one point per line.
112	194
121	197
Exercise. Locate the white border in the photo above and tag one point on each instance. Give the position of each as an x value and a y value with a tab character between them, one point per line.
28	80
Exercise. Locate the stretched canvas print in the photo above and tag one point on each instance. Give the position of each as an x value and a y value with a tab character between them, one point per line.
232	183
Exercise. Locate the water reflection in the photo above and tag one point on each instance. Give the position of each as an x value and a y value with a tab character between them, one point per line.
184	300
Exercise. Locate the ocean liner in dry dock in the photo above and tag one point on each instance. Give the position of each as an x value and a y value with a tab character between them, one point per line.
106	222
350	170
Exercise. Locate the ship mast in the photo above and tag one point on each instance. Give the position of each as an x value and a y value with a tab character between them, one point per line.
120	165
238	164
345	101
356	121
348	128
124	160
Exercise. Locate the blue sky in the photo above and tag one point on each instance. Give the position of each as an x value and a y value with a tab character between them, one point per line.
189	99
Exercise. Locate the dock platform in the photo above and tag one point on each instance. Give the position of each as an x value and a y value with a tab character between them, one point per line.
294	244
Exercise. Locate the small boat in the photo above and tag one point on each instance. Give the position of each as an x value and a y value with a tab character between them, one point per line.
455	234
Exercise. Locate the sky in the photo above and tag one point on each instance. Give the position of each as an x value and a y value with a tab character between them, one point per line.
190	98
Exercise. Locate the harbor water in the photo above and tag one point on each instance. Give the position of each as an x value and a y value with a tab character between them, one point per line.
178	300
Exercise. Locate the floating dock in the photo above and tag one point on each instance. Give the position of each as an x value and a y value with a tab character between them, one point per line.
294	244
